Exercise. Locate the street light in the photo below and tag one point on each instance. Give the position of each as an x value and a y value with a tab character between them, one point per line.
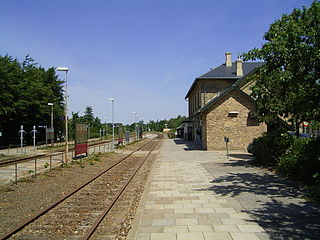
112	100
65	69
135	123
51	104
106	127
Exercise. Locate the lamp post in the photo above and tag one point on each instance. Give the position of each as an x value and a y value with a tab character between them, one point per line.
112	100
106	137
135	123
51	104
65	69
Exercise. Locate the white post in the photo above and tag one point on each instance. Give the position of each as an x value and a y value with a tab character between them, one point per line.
65	69
112	100
112	125
21	137
34	137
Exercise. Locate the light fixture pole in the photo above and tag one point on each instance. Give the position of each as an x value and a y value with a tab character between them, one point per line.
112	100
135	123
106	128
65	69
51	104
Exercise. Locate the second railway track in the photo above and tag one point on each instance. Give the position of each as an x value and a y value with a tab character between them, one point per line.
79	213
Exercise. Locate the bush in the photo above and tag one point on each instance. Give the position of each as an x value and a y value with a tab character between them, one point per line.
268	148
302	160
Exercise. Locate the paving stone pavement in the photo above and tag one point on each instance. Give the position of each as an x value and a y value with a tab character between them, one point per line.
182	201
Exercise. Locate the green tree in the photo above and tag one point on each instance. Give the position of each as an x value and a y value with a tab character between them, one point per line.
287	85
26	89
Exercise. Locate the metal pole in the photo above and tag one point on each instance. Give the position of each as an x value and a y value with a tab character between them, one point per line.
16	173
227	149
34	137
46	130
21	138
112	125
112	100
88	131
66	116
35	167
52	137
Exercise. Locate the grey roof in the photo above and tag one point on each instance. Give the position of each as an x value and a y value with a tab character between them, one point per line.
223	72
230	72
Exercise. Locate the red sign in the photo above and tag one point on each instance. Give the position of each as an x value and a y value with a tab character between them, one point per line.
81	141
81	148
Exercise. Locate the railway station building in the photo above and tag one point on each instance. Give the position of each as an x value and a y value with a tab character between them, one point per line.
220	106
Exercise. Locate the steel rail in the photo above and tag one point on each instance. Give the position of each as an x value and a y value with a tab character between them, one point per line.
115	198
42	212
20	160
41	156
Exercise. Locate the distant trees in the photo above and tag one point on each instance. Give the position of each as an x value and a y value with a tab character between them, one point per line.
172	123
26	89
287	85
94	123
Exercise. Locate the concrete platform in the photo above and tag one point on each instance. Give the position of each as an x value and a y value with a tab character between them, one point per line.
191	194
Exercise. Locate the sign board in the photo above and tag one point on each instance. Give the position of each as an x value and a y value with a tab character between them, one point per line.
81	139
226	139
120	132
50	133
127	137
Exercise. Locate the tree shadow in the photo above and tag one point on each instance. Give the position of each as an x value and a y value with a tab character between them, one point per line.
274	203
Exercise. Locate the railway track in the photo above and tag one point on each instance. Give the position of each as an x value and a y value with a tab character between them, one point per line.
79	213
7	162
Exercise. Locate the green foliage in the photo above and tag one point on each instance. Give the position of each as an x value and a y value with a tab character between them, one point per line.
269	147
287	83
302	160
26	89
172	123
94	123
297	158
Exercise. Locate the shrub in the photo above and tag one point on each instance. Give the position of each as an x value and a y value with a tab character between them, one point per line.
302	160
269	147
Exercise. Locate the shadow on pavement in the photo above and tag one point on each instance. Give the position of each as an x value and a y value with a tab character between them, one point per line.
180	141
275	204
189	145
236	163
241	156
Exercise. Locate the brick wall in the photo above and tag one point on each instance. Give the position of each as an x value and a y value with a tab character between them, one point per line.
240	129
212	87
204	91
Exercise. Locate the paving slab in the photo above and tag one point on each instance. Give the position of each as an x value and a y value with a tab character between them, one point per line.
194	194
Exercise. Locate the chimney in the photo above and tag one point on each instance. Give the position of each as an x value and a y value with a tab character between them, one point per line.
239	68
228	59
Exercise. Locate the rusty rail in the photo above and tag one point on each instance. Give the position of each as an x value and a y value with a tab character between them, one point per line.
42	212
106	211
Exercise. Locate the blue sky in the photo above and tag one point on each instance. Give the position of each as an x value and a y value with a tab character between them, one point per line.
143	53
